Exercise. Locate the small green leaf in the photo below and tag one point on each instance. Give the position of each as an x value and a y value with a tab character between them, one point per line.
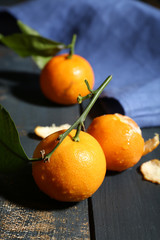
12	155
39	60
26	29
30	45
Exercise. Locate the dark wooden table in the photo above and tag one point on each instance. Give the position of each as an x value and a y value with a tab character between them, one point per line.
124	208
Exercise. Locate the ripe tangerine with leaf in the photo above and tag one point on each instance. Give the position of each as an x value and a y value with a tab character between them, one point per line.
74	171
120	138
62	79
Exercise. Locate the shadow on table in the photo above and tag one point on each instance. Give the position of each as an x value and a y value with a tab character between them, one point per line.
25	86
21	189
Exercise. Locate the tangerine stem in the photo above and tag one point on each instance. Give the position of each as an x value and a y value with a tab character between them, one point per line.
80	99
96	94
76	137
79	123
72	45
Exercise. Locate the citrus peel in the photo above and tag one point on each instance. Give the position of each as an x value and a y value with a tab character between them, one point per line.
44	131
151	144
151	170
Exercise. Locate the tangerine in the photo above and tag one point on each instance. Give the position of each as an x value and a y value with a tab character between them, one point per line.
75	170
120	138
62	78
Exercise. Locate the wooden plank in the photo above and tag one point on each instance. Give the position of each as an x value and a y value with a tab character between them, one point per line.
25	212
126	206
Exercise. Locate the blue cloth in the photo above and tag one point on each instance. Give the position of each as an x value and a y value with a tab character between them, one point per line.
121	38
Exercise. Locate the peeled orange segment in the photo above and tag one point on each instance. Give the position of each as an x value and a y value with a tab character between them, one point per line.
151	171
151	144
44	131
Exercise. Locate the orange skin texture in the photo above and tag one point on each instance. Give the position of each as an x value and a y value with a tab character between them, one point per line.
120	138
75	170
62	79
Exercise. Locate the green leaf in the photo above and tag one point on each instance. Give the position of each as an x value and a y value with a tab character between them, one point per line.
12	155
30	45
26	29
39	60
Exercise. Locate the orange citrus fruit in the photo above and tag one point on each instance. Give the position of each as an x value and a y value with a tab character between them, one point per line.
75	170
62	78
120	138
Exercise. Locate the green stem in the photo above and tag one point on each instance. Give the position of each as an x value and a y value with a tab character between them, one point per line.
80	99
96	94
76	137
72	45
79	123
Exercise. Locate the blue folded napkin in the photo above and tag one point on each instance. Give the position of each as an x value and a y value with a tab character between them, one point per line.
121	38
